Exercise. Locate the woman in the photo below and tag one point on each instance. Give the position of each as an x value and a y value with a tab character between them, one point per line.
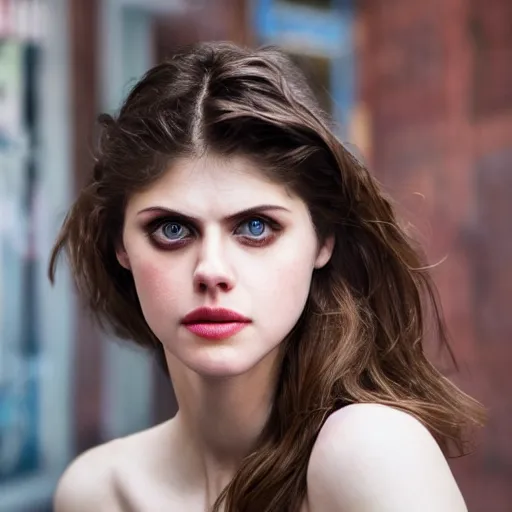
227	229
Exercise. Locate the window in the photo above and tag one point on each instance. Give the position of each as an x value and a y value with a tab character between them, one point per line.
318	37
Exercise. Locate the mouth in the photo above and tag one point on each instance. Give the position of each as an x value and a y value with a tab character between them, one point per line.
215	323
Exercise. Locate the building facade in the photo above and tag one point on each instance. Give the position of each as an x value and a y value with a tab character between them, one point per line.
436	90
421	91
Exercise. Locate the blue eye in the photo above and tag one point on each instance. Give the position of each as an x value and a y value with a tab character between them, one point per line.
174	231
167	233
256	227
252	228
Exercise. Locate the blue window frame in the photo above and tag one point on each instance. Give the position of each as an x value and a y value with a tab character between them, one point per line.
322	34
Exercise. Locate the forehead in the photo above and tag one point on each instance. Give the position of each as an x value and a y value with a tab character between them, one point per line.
214	183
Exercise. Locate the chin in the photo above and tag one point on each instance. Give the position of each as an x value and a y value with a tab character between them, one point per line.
223	361
222	367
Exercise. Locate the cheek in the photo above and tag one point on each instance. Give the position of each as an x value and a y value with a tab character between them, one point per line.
281	288
290	280
158	289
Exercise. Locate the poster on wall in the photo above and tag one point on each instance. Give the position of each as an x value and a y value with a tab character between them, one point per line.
19	417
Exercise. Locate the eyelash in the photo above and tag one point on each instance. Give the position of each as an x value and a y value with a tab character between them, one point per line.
156	224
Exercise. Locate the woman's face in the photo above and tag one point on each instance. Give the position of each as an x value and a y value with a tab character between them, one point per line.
215	233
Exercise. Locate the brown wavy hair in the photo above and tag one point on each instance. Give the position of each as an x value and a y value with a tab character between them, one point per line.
361	336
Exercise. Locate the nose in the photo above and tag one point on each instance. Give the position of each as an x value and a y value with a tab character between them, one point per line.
213	273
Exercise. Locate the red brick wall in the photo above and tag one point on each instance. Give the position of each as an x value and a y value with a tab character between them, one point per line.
436	80
213	21
491	34
87	383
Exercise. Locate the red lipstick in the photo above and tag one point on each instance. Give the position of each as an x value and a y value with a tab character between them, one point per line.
214	323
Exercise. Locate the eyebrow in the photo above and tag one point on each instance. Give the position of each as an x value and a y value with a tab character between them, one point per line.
243	213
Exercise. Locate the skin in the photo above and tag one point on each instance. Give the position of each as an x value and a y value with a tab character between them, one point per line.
224	388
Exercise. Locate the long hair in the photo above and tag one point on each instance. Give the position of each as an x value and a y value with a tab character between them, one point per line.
361	335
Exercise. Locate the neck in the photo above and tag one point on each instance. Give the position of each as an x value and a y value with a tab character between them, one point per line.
220	419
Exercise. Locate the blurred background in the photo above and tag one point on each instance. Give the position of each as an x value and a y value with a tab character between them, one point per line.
421	90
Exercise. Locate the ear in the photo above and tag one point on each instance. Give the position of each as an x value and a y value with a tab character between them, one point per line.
122	257
325	252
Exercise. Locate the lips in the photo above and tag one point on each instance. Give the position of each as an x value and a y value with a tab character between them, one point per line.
214	315
215	323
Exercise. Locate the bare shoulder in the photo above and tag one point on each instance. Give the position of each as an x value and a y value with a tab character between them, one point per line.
372	457
98	478
88	482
